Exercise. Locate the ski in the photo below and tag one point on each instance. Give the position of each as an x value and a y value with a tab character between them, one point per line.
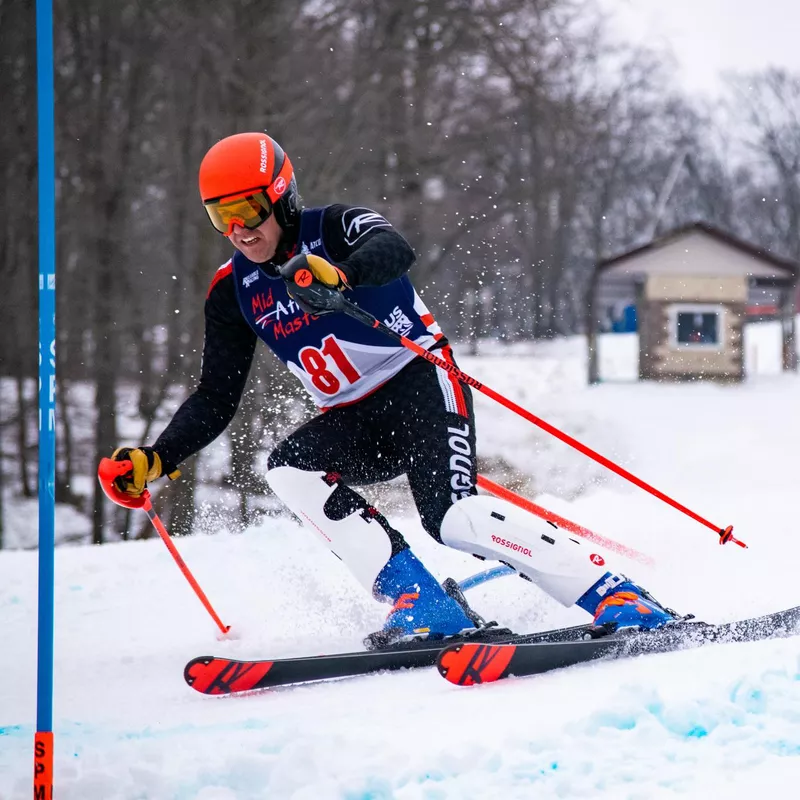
224	676
468	663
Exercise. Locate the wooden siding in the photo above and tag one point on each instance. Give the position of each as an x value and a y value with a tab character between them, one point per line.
697	288
661	357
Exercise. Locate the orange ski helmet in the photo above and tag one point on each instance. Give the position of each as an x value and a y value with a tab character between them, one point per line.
251	161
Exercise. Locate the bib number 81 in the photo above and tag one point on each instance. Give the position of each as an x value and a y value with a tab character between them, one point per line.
318	363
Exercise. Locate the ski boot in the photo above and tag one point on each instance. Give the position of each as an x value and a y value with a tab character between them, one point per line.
422	608
616	604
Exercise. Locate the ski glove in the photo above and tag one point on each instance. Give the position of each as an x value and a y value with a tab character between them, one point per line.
145	466
309	281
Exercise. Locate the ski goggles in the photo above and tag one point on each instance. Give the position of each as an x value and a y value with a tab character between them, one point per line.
248	210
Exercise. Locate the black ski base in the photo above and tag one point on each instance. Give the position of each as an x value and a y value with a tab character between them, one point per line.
222	676
487	655
469	663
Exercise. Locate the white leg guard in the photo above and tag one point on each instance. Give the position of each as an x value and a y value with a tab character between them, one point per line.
357	540
559	564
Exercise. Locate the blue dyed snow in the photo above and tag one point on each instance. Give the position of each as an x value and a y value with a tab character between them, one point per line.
83	730
375	793
698	732
149	733
697	720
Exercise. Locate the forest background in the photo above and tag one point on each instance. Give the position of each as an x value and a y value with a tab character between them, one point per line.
515	143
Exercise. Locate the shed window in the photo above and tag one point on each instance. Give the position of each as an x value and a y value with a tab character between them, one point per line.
698	327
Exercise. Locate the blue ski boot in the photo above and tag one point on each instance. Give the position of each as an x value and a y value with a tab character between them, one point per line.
422	608
617	603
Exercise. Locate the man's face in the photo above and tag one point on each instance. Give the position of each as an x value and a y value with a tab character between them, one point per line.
258	244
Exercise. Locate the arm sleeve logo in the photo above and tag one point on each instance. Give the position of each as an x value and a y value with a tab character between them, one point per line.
358	221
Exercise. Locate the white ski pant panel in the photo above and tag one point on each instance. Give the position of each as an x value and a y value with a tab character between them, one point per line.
559	564
361	543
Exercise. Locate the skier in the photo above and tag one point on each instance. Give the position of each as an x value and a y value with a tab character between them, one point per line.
386	412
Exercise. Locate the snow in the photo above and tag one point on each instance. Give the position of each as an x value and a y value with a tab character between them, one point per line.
723	721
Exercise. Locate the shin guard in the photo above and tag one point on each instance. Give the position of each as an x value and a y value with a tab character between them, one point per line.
352	529
561	565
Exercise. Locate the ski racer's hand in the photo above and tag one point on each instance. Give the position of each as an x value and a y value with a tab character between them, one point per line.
311	281
145	466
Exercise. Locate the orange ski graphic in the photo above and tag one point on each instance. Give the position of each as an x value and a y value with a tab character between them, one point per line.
224	676
467	664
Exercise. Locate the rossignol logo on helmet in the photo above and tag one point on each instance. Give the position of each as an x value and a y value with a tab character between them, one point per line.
279	186
263	145
517	548
249	279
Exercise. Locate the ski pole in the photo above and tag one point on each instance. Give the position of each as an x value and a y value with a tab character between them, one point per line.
500	572
108	471
337	302
562	522
162	532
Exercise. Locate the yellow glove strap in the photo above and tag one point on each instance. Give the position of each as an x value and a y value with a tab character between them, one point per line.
157	470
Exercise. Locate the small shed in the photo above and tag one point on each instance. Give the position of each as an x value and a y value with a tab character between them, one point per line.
688	295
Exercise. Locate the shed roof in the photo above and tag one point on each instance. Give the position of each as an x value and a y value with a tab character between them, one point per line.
782	267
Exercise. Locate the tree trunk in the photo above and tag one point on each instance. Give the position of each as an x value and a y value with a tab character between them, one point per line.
591	332
105	430
64	475
106	366
22	434
244	449
2	486
182	507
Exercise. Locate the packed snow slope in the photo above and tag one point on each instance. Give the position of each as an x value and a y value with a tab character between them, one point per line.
721	722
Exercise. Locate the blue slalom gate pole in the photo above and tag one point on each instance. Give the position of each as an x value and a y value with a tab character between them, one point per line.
43	743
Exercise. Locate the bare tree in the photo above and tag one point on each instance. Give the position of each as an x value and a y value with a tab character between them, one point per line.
508	139
767	105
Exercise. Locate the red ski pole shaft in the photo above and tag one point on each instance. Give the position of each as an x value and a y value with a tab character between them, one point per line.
162	532
352	310
562	522
108	473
